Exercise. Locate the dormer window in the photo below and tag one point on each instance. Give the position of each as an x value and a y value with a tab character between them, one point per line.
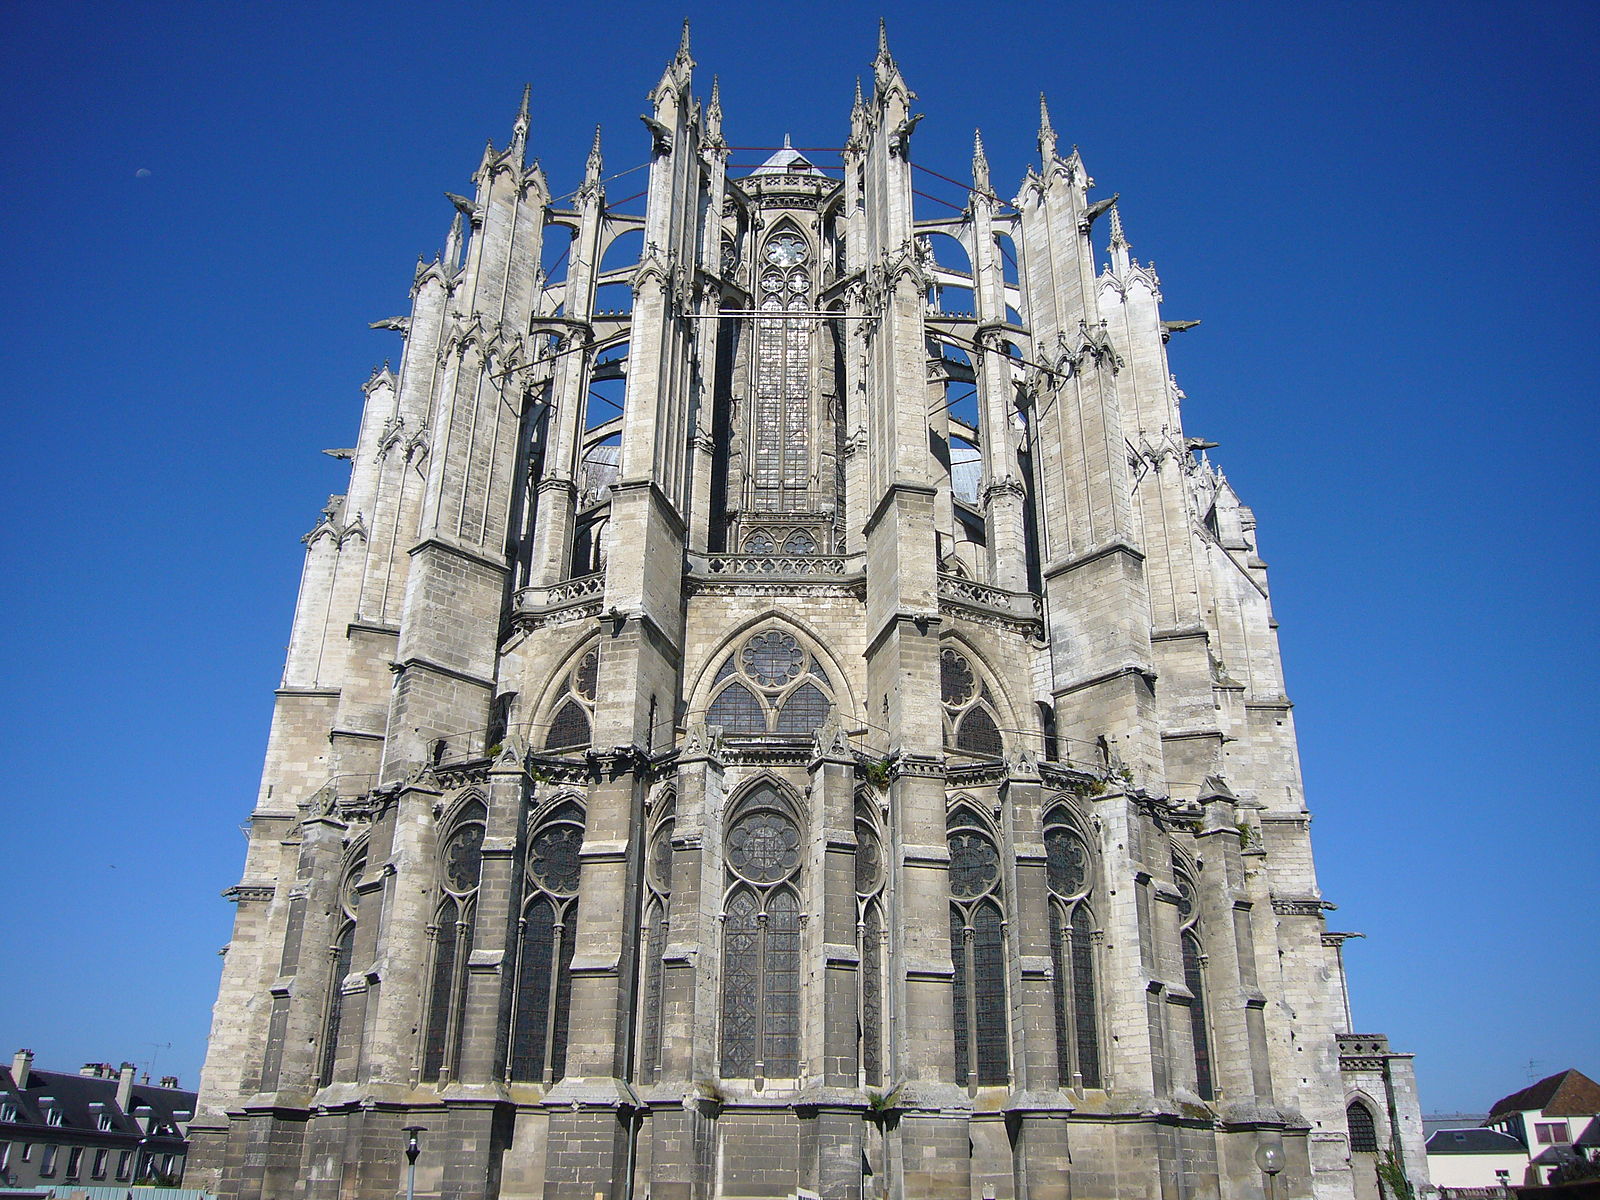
104	1122
52	1114
8	1111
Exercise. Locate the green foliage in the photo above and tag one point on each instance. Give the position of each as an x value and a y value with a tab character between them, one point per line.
877	772
1392	1181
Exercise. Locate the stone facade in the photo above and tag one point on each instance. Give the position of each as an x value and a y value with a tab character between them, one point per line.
814	729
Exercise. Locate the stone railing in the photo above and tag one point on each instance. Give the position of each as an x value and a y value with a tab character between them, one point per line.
1023	606
782	565
565	592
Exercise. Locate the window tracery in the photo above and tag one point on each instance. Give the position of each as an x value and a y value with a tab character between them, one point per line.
781	406
343	951
761	941
969	707
1194	960
977	951
574	715
1069	875
460	864
657	924
870	934
770	685
551	873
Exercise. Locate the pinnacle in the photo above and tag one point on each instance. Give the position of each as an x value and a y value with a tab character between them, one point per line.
683	43
1047	133
1117	238
883	38
522	113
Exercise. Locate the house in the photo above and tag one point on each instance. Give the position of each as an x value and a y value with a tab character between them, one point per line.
97	1127
1550	1118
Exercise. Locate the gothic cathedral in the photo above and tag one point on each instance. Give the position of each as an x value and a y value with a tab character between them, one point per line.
782	709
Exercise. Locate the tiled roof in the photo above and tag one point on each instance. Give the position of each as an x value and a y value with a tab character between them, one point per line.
76	1097
1568	1094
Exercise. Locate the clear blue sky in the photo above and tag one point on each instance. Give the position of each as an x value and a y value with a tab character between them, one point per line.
1384	214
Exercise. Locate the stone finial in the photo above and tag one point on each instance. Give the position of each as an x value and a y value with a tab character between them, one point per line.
683	42
714	112
1047	133
980	165
595	165
519	128
453	241
883	41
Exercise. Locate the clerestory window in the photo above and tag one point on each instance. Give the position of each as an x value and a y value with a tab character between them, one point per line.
771	685
657	924
573	719
1194	978
969	708
343	952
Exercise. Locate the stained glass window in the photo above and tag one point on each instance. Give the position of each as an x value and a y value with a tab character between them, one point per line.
989	980
741	966
343	950
804	710
1066	859
439	991
956	684
773	659
587	674
979	734
780	410
463	857
544	956
737	710
1194	979
761	943
657	923
1085	1010
977	952
872	994
570	727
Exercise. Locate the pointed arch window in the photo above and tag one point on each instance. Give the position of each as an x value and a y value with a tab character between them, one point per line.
780	409
761	941
343	952
1363	1129
1194	978
460	865
657	925
871	940
770	685
969	708
1069	874
977	951
573	718
544	946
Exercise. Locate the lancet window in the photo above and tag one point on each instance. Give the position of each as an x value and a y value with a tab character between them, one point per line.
761	940
969	707
1363	1129
343	951
770	685
780	409
1194	978
977	951
1069	872
460	866
871	935
573	718
657	924
544	946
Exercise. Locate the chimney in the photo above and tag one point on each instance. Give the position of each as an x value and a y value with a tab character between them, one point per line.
92	1070
125	1086
169	1081
20	1066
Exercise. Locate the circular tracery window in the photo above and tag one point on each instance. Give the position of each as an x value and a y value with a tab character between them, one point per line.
586	676
773	659
764	846
1066	861
463	856
956	684
974	865
553	859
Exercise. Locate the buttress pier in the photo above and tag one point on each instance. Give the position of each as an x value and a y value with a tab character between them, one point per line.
782	709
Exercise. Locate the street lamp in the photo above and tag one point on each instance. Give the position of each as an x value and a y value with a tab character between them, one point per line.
1269	1157
412	1150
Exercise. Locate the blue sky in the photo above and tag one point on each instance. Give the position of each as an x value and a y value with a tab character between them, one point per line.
1384	215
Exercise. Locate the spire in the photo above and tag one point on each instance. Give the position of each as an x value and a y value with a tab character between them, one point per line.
519	129
883	39
1119	243
860	103
980	166
1047	133
452	242
714	115
886	74
683	42
592	170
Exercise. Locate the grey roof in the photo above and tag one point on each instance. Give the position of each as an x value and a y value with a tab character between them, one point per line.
787	161
81	1098
1473	1141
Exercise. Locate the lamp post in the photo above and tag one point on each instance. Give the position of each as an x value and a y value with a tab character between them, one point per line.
1269	1157
412	1150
